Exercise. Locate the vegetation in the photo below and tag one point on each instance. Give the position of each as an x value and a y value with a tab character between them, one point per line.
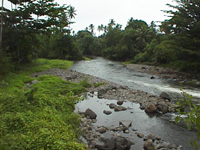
42	116
192	119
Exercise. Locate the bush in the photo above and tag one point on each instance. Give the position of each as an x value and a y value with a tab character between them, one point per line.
141	57
193	116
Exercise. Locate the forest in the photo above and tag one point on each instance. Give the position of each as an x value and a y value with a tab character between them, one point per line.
37	30
42	31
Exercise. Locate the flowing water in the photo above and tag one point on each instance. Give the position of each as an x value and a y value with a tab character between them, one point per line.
117	73
157	124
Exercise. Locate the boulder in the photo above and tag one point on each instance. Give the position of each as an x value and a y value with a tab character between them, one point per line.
102	130
148	145
151	108
140	135
90	114
112	105
105	144
165	96
120	102
107	112
163	107
152	77
120	108
122	143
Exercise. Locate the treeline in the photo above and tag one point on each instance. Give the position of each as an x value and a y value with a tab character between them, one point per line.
35	29
175	43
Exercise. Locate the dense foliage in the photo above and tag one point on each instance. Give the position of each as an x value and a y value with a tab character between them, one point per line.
37	28
41	116
174	44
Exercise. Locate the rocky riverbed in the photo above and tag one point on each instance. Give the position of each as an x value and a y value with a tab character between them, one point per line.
108	137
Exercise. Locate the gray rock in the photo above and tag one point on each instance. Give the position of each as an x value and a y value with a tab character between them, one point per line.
122	143
101	92
150	136
163	107
151	108
120	102
140	135
148	145
73	76
35	81
112	105
89	113
165	96
125	123
107	112
102	130
120	108
105	144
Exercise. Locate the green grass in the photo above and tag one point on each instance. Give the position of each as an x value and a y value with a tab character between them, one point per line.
99	84
86	58
41	117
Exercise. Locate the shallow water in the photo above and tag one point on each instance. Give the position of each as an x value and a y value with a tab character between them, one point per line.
142	122
117	73
158	125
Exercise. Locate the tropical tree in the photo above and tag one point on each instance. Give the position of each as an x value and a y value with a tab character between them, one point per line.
91	27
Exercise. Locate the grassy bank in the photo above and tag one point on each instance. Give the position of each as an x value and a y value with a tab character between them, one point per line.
40	117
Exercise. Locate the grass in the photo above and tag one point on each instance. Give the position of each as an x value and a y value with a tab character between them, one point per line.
86	58
99	84
41	117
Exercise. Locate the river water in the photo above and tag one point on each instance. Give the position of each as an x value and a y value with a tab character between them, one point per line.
158	125
117	73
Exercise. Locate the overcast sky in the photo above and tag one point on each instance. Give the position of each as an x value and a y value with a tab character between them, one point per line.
98	12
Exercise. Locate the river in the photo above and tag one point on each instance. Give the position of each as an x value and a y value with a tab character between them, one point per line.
117	73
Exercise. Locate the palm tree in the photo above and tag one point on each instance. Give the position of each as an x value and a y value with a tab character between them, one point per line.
112	23
91	27
143	35
71	12
100	28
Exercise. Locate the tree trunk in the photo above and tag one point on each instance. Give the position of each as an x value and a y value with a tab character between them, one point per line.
1	29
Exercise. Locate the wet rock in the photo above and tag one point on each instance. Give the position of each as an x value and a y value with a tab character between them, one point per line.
140	135
120	102
151	108
150	136
165	96
148	145
120	108
122	143
107	112
112	105
102	130
163	107
152	77
125	123
105	144
89	113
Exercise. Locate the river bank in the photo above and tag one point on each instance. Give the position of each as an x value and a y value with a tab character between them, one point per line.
105	90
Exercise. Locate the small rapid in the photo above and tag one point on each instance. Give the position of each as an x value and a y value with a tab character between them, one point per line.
117	73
